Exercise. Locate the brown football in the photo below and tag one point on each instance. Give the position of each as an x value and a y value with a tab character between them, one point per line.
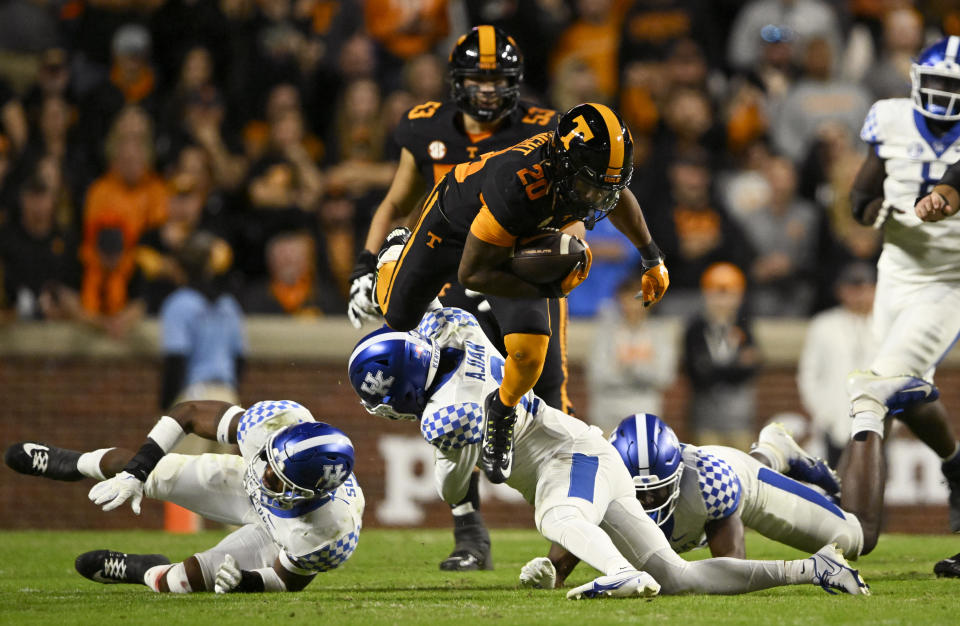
546	257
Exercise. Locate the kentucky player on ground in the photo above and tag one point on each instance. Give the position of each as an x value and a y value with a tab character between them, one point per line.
912	143
292	492
707	495
583	496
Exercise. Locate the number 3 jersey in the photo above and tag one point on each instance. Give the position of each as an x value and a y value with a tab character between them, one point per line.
915	158
433	133
313	536
452	421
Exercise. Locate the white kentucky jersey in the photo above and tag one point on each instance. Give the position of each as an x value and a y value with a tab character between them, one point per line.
313	536
718	482
915	158
471	368
710	490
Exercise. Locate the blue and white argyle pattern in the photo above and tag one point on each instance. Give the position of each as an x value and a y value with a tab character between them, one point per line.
436	319
719	486
453	426
263	411
870	127
330	556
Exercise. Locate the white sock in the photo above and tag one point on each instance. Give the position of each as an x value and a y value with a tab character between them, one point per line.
151	578
177	580
463	509
799	571
89	463
867	421
772	458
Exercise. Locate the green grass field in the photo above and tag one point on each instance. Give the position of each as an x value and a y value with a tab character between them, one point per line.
393	578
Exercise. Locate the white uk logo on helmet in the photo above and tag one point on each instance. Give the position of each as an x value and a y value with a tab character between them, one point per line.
376	384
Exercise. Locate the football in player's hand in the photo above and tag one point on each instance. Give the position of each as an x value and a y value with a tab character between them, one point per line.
547	257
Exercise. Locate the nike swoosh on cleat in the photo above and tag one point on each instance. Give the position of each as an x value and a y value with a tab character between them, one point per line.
30	447
100	578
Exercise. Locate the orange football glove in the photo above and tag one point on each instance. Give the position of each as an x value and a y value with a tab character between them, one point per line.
654	284
579	273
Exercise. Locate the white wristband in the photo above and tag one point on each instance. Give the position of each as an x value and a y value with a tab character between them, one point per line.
166	433
223	428
271	580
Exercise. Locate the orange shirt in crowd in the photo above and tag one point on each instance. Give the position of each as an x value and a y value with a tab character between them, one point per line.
111	203
406	27
594	44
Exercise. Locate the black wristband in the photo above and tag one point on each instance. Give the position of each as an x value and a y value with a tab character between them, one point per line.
650	255
145	460
366	264
250	582
951	177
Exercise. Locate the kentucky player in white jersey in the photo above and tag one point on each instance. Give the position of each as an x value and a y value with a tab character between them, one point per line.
707	495
912	143
292	491
582	494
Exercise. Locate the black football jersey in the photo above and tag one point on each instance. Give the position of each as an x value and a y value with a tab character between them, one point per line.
514	184
434	134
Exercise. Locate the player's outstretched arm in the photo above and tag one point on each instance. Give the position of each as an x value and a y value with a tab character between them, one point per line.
209	419
725	537
627	216
400	200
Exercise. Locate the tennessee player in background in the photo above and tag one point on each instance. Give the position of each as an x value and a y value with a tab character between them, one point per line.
468	227
485	113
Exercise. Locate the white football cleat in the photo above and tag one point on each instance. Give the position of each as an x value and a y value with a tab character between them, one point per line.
628	583
832	572
777	444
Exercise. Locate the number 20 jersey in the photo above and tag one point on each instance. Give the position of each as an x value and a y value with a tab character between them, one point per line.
915	159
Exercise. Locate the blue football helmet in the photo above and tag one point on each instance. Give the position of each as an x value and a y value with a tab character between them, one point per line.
391	372
935	79
308	460
650	450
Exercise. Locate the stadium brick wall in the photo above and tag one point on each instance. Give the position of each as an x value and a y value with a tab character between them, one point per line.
85	403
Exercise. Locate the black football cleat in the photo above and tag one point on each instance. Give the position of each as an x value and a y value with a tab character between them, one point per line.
38	459
951	471
948	568
472	548
496	450
110	568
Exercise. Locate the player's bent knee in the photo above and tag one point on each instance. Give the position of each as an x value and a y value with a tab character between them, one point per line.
551	521
527	350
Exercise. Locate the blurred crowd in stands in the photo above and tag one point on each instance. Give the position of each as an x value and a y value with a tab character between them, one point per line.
128	125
